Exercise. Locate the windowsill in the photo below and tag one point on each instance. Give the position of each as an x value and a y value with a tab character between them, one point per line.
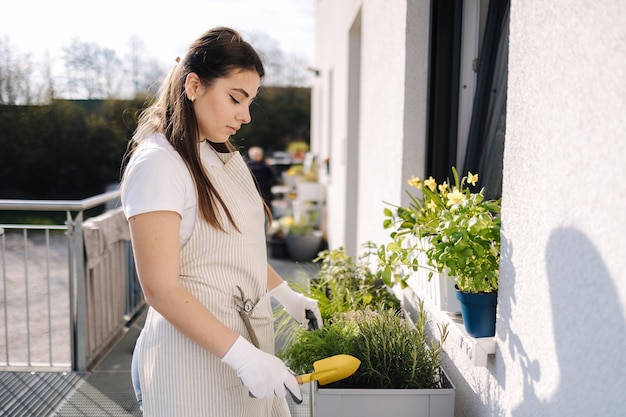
476	349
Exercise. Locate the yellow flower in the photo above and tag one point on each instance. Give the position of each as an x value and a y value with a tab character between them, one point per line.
431	183
472	178
286	221
443	189
455	197
415	182
431	205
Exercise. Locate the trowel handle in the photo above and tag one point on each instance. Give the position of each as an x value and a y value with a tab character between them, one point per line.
303	379
313	325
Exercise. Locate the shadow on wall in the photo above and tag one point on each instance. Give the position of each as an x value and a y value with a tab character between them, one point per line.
531	369
589	328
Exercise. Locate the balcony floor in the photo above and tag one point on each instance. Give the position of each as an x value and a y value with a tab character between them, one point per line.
105	391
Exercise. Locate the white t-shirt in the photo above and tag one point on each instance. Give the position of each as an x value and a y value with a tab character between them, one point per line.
157	179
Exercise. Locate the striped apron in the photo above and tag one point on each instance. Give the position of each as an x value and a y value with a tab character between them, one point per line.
178	377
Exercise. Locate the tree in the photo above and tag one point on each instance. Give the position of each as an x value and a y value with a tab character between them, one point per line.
281	70
145	72
48	90
15	75
92	70
74	148
67	149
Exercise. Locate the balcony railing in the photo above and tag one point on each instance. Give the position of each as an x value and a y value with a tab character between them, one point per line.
67	290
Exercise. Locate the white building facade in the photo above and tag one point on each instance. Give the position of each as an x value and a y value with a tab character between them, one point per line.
395	96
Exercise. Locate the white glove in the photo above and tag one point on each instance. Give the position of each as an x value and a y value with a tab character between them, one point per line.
296	304
263	374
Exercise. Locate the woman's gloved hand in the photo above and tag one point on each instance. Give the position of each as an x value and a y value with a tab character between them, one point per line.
263	374
297	305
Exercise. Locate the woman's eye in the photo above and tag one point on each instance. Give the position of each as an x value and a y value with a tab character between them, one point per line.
234	100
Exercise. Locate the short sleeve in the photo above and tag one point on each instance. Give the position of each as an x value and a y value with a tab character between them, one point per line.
155	179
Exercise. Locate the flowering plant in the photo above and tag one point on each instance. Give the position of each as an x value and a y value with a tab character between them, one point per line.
462	230
278	229
296	173
303	225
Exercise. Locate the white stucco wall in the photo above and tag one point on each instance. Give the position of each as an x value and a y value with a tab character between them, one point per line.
562	299
382	108
329	107
563	278
391	140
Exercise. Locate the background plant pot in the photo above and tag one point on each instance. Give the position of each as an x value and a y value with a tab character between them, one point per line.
277	248
479	312
303	248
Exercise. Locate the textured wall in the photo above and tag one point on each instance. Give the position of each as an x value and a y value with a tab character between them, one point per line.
390	145
563	290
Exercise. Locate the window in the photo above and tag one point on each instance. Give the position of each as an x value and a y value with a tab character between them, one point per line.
481	150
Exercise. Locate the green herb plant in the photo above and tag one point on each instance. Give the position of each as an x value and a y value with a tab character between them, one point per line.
397	354
343	284
340	284
394	352
304	225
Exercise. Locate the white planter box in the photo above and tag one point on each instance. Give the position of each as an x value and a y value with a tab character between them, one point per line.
305	408
331	402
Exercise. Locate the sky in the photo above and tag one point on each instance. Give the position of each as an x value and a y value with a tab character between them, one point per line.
165	27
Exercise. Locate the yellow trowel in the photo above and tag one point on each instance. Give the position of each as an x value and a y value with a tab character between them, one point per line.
331	369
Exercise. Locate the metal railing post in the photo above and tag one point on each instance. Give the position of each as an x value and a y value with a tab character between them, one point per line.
77	281
26	296
4	298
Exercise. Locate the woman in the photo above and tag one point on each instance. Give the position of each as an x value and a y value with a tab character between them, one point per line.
197	229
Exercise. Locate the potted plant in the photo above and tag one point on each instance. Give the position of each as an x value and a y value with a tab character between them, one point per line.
298	149
462	231
400	363
303	239
276	235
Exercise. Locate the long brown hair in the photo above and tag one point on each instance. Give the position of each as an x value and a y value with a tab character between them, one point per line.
215	54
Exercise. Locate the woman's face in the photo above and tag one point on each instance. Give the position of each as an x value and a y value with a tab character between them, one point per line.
223	107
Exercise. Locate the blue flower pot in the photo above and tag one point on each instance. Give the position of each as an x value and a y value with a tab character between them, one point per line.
479	312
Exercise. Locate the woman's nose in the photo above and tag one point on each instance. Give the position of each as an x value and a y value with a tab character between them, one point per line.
244	116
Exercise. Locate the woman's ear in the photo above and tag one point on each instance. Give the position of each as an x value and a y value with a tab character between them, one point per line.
192	82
